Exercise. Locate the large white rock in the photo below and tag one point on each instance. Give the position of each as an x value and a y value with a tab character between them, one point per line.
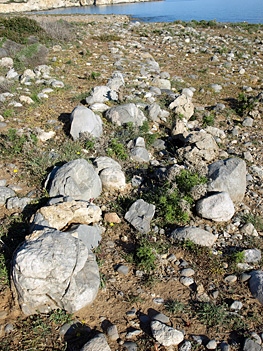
113	179
218	207
77	179
182	105
84	120
165	335
196	235
228	175
122	114
111	174
101	94
55	271
140	215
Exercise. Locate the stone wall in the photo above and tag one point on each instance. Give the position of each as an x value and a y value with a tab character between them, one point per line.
38	5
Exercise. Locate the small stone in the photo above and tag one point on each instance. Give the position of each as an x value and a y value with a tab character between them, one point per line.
131	313
185	346
133	333
9	328
112	217
211	345
248	122
123	269
224	346
187	272
186	281
165	335
245	277
112	333
236	305
130	346
248	229
158	300
230	279
161	318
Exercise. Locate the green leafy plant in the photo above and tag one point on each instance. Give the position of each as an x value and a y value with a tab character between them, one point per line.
19	28
4	279
208	120
186	180
174	306
145	256
245	104
211	314
117	149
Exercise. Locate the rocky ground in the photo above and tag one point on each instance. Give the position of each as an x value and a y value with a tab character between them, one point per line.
217	68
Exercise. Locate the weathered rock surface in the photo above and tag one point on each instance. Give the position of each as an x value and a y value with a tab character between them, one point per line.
98	343
55	271
85	121
5	193
122	114
218	207
63	214
77	179
111	174
165	335
256	285
230	176
140	215
183	106
196	235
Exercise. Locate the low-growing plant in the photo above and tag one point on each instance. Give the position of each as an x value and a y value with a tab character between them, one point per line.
19	28
245	104
257	221
186	180
210	314
174	306
8	113
117	149
108	37
145	256
4	278
208	120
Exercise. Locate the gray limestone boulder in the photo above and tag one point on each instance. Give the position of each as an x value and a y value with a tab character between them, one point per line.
182	105
17	202
84	120
88	234
165	335
252	345
196	235
116	81
140	215
140	154
98	343
101	94
5	193
113	179
228	175
77	179
256	285
54	271
252	255
218	207
199	147
123	114
111	174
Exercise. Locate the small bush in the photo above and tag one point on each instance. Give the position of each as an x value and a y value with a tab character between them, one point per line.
19	29
144	256
117	149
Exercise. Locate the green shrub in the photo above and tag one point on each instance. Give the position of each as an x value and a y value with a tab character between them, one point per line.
144	256
117	149
19	28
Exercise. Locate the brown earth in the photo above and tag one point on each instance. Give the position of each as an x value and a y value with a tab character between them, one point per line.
121	293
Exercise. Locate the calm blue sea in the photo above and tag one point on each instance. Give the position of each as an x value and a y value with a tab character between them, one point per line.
250	11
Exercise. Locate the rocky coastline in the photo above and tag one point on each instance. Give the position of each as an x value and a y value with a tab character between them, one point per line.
10	7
